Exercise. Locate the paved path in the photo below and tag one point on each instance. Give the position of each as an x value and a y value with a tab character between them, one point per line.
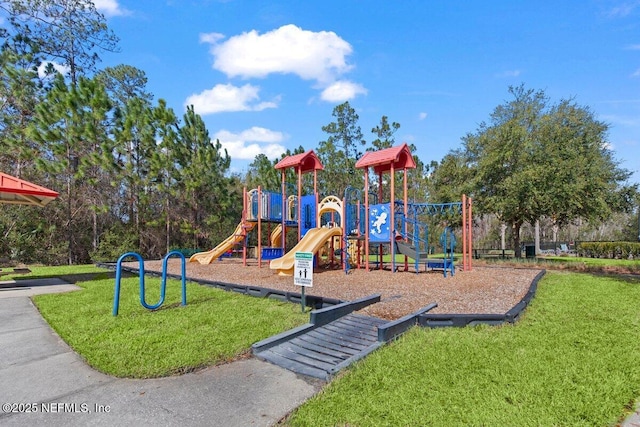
633	420
40	372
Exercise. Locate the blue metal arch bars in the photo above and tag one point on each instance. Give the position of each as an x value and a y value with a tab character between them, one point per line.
163	286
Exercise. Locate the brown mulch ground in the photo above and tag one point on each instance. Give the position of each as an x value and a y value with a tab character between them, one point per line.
493	290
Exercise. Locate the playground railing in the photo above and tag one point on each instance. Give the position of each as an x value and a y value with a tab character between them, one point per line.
420	243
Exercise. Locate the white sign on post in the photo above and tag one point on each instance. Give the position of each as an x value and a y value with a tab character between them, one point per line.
303	269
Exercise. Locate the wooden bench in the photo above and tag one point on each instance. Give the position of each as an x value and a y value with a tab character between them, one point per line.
494	253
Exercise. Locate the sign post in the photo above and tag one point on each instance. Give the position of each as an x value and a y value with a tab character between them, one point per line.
303	273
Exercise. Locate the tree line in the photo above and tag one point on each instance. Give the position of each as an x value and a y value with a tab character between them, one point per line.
135	175
536	160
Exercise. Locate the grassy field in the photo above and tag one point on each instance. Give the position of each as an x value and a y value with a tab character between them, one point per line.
215	326
573	359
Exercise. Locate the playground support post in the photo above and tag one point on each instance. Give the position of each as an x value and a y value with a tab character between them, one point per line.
366	219
470	234
299	202
464	232
467	238
245	206
285	210
345	233
392	228
380	197
259	227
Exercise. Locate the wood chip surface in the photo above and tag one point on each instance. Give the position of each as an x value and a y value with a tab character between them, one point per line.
492	290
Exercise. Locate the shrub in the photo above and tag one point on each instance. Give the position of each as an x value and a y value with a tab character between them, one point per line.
113	244
611	250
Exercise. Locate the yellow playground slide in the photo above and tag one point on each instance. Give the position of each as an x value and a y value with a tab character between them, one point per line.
276	241
311	242
209	256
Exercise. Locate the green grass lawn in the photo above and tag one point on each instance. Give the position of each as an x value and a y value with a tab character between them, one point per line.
215	326
573	359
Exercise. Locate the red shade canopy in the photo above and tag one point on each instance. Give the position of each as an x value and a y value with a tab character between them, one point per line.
20	192
306	161
400	157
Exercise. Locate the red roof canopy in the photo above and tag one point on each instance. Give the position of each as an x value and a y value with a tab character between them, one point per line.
306	161
18	191
400	157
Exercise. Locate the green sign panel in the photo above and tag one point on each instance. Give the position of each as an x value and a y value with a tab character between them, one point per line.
303	269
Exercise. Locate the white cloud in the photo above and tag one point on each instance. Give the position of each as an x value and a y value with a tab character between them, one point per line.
509	73
341	91
247	144
633	47
227	97
636	73
62	69
320	56
211	38
623	9
110	8
625	121
422	116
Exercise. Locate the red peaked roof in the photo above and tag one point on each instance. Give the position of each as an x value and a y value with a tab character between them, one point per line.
382	160
18	191
307	161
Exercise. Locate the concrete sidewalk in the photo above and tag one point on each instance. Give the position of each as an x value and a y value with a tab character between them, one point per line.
41	374
30	287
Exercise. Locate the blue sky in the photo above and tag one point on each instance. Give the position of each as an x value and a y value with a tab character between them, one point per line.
265	76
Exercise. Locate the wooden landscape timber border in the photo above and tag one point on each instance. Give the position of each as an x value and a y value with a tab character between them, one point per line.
421	317
313	301
432	320
333	318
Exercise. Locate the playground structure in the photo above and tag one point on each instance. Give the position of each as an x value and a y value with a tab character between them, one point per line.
347	227
259	208
280	209
163	285
393	225
396	224
311	236
412	236
315	238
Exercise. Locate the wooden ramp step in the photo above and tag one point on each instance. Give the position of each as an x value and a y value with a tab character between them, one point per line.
323	351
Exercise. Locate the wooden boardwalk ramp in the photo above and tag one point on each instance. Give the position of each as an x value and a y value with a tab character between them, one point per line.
334	338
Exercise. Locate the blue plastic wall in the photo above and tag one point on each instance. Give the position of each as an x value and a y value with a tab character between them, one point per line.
308	214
